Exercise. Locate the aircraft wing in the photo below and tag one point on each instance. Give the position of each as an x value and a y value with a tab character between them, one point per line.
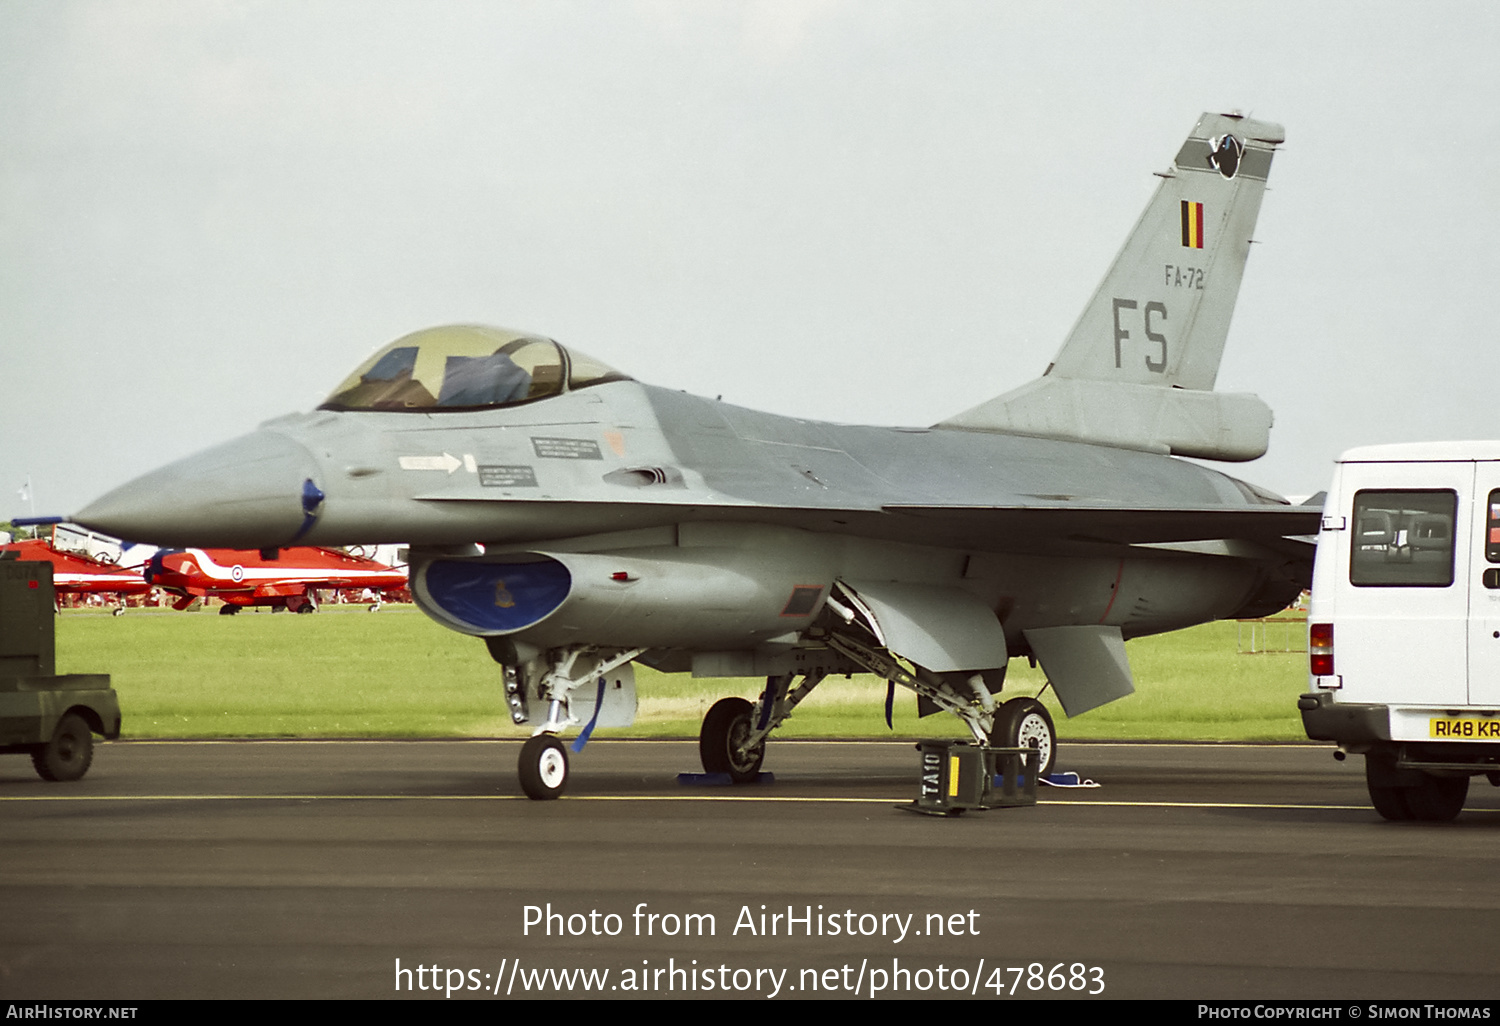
1264	524
1049	527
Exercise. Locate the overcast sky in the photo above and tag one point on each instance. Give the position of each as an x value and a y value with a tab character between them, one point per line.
854	210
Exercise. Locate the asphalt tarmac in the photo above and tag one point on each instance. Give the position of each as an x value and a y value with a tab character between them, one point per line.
310	869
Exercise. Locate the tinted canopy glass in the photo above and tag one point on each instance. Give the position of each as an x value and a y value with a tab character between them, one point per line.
466	367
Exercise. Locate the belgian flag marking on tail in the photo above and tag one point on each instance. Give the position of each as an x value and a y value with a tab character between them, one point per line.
1192	224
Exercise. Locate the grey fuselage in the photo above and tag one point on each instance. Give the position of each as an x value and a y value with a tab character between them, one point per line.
1044	532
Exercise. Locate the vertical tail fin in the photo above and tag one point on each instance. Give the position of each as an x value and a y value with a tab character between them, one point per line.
1161	315
1138	368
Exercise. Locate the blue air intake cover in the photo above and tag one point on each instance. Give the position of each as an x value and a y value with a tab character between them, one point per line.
501	597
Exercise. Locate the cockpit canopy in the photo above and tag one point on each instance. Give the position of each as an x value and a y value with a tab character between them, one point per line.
466	367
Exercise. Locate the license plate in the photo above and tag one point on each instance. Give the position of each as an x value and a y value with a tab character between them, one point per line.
1450	728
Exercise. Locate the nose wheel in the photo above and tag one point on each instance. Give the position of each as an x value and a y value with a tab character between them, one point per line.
543	767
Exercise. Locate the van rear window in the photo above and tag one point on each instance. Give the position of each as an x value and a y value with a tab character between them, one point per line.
1402	539
1492	529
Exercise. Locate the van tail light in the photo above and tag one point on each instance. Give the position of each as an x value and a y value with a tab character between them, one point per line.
1320	648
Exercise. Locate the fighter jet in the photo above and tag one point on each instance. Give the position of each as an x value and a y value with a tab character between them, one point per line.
579	521
291	581
77	571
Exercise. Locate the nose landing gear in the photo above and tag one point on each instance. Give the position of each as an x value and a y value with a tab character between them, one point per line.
543	767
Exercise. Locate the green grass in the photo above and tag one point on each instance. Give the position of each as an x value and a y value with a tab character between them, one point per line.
345	672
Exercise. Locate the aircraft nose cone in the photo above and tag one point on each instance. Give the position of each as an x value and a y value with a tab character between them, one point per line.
253	492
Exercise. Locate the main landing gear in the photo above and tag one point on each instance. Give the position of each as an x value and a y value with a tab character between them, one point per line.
734	733
722	743
1018	723
733	738
1025	723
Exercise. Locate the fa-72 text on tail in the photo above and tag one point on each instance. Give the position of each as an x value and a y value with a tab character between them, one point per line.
578	520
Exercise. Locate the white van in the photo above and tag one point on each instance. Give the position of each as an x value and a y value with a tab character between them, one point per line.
1404	627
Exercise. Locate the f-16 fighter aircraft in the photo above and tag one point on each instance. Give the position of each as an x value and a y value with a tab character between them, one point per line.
291	581
578	520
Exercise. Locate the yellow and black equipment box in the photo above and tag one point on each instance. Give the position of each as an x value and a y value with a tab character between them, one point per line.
957	776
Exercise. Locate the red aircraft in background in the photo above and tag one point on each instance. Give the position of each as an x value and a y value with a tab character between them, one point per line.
290	581
77	572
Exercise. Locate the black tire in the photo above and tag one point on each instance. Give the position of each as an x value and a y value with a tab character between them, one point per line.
70	752
726	725
1390	802
1026	723
543	767
228	610
1437	799
1388	799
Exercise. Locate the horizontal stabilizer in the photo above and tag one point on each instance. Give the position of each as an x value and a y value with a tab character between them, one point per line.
1231	426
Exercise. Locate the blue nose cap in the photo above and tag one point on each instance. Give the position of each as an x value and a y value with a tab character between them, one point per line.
312	501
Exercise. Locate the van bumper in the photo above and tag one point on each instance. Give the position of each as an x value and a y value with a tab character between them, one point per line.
1344	722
